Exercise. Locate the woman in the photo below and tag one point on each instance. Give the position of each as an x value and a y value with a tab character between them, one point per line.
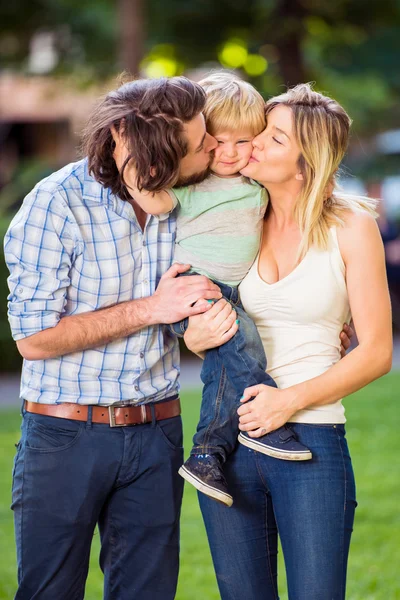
320	261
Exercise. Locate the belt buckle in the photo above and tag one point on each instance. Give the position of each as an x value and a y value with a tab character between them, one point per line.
111	417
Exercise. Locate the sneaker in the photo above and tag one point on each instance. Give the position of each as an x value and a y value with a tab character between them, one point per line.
281	443
205	473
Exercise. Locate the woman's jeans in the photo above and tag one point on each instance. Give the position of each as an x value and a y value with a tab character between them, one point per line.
311	504
242	361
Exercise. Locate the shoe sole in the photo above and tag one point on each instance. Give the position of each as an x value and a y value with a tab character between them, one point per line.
254	444
208	490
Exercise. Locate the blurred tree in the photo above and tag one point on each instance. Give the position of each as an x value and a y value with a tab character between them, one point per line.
131	34
349	48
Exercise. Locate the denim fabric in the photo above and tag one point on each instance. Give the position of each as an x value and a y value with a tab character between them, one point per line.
311	504
70	476
242	361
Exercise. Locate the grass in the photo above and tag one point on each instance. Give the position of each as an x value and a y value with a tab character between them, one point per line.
373	434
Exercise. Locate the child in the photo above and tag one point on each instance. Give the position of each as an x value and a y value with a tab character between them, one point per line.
219	224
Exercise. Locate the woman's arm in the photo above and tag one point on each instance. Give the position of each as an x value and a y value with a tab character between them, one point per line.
210	330
362	251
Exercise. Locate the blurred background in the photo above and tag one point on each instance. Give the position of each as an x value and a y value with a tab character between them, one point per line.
58	56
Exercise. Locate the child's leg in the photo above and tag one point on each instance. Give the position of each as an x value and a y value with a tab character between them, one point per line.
241	359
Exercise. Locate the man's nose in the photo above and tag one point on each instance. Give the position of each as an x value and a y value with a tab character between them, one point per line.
210	143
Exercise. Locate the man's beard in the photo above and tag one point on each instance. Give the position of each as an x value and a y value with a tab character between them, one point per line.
193	179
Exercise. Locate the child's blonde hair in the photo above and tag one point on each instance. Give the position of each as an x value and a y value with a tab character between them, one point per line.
232	104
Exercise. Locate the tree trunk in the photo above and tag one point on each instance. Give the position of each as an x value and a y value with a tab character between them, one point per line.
289	35
131	34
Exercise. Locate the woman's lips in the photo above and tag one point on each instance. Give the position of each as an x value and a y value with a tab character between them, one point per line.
252	159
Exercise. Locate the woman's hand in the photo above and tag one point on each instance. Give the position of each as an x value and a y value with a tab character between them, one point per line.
212	328
270	409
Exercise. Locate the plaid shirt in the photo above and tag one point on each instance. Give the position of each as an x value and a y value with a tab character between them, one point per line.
74	247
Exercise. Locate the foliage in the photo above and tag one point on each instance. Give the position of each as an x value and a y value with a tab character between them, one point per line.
10	357
348	50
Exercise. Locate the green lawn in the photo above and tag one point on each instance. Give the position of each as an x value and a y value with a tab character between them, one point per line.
373	434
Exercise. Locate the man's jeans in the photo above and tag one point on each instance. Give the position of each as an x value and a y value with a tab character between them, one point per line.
242	360
310	503
70	476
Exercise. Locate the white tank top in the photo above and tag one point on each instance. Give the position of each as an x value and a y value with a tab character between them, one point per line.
299	319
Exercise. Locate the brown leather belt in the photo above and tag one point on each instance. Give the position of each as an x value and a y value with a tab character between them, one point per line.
115	416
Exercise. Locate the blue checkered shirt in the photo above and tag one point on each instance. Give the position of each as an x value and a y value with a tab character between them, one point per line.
74	247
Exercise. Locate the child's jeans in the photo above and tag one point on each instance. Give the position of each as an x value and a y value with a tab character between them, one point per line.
241	359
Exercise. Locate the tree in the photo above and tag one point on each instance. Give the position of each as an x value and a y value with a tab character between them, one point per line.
131	34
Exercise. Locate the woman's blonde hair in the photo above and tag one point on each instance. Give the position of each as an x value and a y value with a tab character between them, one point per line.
321	128
232	104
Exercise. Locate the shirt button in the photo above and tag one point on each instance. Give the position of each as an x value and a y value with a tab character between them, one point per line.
146	281
20	290
144	242
137	388
141	355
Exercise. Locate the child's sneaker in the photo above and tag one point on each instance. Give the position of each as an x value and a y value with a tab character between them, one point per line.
205	473
281	443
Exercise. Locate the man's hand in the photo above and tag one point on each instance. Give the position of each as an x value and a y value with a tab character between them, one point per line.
175	297
211	329
345	339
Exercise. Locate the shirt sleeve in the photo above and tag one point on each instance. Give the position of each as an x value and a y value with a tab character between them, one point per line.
174	194
264	197
39	250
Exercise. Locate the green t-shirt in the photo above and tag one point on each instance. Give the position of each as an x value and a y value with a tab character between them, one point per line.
219	224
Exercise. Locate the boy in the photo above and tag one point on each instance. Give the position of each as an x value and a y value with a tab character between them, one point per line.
219	224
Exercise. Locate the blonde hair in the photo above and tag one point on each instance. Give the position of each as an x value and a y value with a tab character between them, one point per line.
321	128
232	104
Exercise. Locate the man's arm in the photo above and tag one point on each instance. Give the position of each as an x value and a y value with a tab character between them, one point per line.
172	301
89	330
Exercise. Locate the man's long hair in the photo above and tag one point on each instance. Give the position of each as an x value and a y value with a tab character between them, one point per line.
150	114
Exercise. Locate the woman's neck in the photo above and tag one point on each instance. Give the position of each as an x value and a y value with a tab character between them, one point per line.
282	201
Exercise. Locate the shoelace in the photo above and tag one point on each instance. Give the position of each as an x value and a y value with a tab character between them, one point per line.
287	435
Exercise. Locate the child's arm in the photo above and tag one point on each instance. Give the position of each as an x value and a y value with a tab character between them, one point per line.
154	203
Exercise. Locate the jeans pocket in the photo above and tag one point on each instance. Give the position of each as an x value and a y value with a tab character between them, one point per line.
45	438
18	447
171	432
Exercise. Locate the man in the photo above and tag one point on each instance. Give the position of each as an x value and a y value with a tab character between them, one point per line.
90	287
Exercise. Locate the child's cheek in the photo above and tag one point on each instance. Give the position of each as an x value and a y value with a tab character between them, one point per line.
217	152
217	156
247	153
